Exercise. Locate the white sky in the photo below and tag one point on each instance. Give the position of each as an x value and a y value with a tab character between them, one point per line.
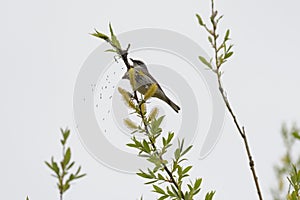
44	44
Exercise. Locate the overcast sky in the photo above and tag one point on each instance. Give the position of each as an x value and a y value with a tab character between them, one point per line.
45	43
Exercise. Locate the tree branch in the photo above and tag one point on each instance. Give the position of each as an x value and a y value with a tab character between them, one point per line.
219	60
124	56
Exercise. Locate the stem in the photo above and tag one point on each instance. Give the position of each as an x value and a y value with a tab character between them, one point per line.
61	178
244	137
218	72
124	54
154	146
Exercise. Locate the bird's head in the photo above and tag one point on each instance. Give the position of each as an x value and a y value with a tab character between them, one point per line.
137	62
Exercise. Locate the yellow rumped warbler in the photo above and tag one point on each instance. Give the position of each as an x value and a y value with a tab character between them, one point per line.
144	80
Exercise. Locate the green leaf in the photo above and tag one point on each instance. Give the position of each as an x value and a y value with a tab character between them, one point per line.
229	48
100	35
137	143
181	145
159	120
177	154
196	191
209	195
132	145
205	62
71	177
158	190
210	40
66	134
181	160
111	30
78	170
179	171
55	167
175	192
186	150
146	146
160	177
66	186
217	21
229	54
67	157
200	21
151	173
296	134
80	176
163	197
111	50
155	160
115	42
144	175
114	39
170	137
49	165
227	35
155	129
164	141
174	166
71	165
151	182
27	198
197	183
186	169
170	193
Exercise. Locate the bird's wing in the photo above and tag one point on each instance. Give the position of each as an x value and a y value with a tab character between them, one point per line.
152	80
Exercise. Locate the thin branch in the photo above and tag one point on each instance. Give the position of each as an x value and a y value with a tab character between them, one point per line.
124	54
154	146
218	72
244	137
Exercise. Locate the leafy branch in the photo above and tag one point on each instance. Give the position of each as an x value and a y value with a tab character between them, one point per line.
287	170
294	180
114	42
150	126
62	170
222	52
171	173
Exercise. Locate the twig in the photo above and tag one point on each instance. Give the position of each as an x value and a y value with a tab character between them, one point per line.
218	72
154	146
244	137
124	54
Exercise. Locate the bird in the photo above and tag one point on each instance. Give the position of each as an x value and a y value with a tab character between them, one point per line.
144	80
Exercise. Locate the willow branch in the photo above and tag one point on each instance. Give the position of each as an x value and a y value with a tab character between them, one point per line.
219	61
124	56
242	133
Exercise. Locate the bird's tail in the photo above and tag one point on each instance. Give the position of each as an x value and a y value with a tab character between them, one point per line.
173	105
